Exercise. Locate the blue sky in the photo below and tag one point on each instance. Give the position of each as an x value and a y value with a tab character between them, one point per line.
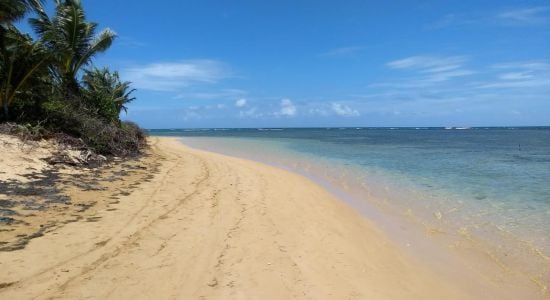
331	63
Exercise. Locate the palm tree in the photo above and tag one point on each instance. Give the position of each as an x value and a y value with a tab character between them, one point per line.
107	92
122	95
72	39
12	11
21	59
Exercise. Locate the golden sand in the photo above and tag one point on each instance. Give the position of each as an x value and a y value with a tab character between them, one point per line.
216	227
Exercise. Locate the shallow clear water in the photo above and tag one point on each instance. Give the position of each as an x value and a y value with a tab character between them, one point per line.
491	185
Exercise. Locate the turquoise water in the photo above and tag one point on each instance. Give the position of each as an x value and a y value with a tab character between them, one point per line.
490	186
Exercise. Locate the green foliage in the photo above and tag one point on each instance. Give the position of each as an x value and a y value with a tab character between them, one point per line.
40	79
106	93
72	39
21	62
14	10
110	139
107	138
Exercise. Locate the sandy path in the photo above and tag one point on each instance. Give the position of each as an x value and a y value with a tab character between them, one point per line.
210	226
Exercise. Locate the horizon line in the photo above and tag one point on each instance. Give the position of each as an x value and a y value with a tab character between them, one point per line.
355	127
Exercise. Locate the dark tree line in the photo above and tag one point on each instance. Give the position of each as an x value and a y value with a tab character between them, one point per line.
50	81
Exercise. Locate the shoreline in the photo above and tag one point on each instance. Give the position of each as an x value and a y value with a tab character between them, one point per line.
472	262
221	227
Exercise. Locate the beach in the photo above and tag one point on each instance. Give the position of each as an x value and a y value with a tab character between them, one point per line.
355	150
469	203
212	226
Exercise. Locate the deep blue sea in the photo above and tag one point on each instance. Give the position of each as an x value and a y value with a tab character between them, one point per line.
489	185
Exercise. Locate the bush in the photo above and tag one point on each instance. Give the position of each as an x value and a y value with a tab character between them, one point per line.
111	139
51	92
25	132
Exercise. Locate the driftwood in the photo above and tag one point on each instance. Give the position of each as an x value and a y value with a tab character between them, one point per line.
75	158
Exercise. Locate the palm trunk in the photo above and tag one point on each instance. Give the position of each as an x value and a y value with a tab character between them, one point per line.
4	55
6	110
71	90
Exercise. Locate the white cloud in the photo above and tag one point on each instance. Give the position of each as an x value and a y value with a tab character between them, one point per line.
444	76
526	15
287	108
217	106
428	64
454	19
427	70
177	75
522	74
129	42
327	109
342	51
494	88
344	110
217	94
190	114
545	82
250	113
321	111
240	102
532	65
511	17
515	76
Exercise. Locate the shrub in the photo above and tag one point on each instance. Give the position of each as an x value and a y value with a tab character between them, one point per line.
103	137
45	83
111	139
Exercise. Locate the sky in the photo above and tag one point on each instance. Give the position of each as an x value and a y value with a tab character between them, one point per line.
299	63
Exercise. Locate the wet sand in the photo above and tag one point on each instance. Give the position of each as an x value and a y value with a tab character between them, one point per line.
212	226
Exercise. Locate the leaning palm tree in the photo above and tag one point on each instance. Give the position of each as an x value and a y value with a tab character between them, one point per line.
12	11
20	57
20	61
72	39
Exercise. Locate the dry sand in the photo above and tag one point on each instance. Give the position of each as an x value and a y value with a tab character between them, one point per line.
216	227
19	159
37	197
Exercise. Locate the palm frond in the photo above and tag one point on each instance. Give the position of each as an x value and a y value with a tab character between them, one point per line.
71	37
13	10
23	59
100	44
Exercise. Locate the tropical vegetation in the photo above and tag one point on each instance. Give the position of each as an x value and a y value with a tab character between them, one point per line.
50	80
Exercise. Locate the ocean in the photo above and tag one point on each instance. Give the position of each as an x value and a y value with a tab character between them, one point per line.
484	189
